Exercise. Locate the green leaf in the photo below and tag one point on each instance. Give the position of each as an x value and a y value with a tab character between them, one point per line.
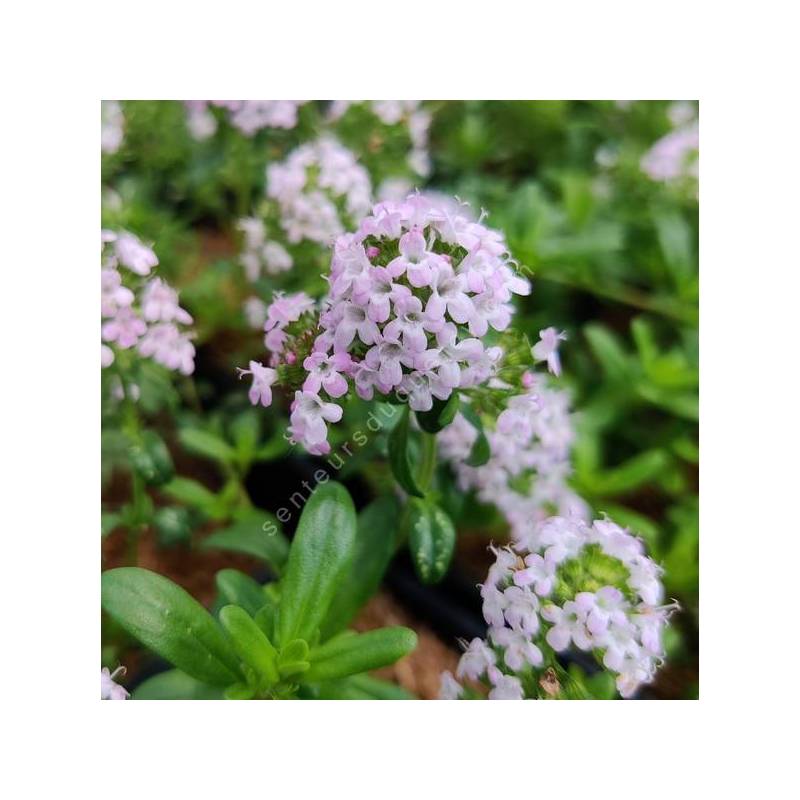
266	617
440	416
481	452
273	448
631	475
250	643
645	340
203	443
319	559
431	540
245	432
168	620
675	238
256	534
192	493
349	655
376	541
293	658
399	458
362	687
616	363
175	685
239	589
240	691
108	521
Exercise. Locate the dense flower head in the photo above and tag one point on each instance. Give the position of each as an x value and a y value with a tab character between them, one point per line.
248	116
571	584
412	293
319	185
139	313
529	463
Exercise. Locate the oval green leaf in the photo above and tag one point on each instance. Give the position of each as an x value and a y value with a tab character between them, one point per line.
256	534
250	643
168	620
431	540
319	558
376	541
239	589
361	652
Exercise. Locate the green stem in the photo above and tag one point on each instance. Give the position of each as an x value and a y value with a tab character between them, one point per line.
428	461
137	522
132	427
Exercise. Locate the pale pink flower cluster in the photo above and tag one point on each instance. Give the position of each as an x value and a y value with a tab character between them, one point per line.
412	292
261	254
537	592
319	188
249	116
109	689
410	113
675	156
526	474
112	126
149	318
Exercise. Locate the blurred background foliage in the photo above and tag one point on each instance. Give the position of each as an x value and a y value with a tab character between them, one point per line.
612	254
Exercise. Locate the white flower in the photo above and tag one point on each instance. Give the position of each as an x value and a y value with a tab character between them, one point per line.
539	572
521	610
477	658
519	649
569	624
546	349
134	255
308	418
109	690
506	687
494	604
450	689
263	378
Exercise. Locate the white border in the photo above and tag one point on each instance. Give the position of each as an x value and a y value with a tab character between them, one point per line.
738	58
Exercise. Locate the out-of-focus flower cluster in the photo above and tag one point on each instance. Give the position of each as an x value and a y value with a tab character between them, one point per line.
261	254
569	584
112	126
526	474
409	113
248	116
138	313
319	188
412	293
675	156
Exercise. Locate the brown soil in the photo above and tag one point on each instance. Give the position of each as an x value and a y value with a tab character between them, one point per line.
189	567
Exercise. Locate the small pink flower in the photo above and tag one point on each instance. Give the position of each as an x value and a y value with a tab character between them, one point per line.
263	378
326	372
546	349
125	328
134	255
